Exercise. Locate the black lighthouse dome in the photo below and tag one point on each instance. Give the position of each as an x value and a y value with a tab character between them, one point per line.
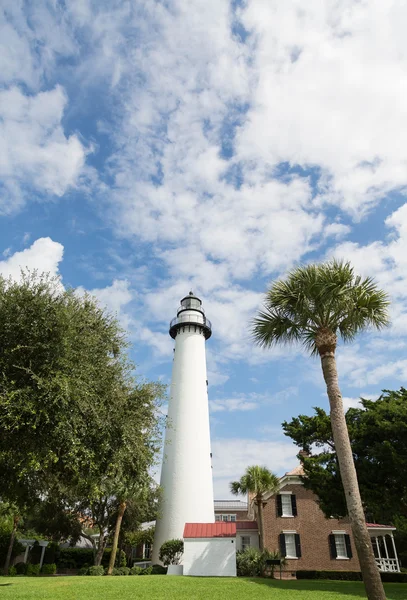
191	317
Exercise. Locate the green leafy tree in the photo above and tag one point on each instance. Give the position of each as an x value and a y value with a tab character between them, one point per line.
256	482
171	552
378	436
314	305
75	425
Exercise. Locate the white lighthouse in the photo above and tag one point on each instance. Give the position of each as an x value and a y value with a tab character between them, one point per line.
186	474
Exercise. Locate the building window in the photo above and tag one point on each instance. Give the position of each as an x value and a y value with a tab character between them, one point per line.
245	542
147	550
290	546
225	518
340	545
286	505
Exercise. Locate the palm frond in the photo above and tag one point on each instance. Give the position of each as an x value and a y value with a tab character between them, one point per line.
327	295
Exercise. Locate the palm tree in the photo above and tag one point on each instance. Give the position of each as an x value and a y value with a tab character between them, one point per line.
256	481
313	306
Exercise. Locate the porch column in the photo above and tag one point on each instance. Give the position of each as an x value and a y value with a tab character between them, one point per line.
395	553
385	546
378	547
42	556
27	549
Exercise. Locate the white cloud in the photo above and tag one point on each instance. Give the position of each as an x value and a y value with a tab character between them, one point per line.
330	78
232	456
233	404
44	255
34	151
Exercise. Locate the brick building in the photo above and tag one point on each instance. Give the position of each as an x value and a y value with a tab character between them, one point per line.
295	525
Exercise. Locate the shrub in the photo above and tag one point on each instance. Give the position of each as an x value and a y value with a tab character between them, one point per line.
120	559
95	571
49	569
33	570
83	570
136	570
338	575
12	572
171	552
4	543
147	571
158	570
76	558
121	571
248	562
394	577
21	568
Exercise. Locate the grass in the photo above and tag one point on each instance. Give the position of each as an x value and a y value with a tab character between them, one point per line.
157	587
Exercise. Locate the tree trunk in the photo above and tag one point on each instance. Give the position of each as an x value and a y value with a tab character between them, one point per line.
101	549
121	548
120	514
364	548
259	501
11	544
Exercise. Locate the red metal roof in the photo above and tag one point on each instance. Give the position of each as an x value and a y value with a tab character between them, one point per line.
246	525
209	530
380	526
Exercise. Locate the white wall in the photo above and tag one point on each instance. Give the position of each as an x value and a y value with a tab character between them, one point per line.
254	539
186	475
210	557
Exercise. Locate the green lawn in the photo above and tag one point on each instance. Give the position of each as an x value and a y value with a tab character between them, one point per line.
158	587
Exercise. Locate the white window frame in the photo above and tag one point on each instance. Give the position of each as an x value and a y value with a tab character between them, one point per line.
147	546
286	495
243	545
336	535
226	517
293	534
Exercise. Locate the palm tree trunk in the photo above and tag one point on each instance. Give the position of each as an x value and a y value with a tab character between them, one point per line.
259	501
120	514
16	519
370	571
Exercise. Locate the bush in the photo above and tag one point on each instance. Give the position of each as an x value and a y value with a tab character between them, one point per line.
136	570
394	577
33	570
12	572
76	558
95	571
21	568
121	571
249	562
83	570
337	575
4	543
171	552
49	569
106	558
158	570
147	571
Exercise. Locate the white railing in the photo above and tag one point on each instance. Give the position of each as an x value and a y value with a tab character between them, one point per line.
388	564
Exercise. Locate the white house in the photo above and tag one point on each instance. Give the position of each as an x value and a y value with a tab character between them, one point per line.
210	549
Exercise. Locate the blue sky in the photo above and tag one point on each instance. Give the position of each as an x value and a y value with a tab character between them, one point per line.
147	148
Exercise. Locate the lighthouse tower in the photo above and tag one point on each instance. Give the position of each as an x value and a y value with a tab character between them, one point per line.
186	474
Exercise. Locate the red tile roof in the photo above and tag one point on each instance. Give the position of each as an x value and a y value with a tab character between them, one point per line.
246	525
209	530
380	526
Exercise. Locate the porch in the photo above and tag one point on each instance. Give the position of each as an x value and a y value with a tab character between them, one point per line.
384	547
